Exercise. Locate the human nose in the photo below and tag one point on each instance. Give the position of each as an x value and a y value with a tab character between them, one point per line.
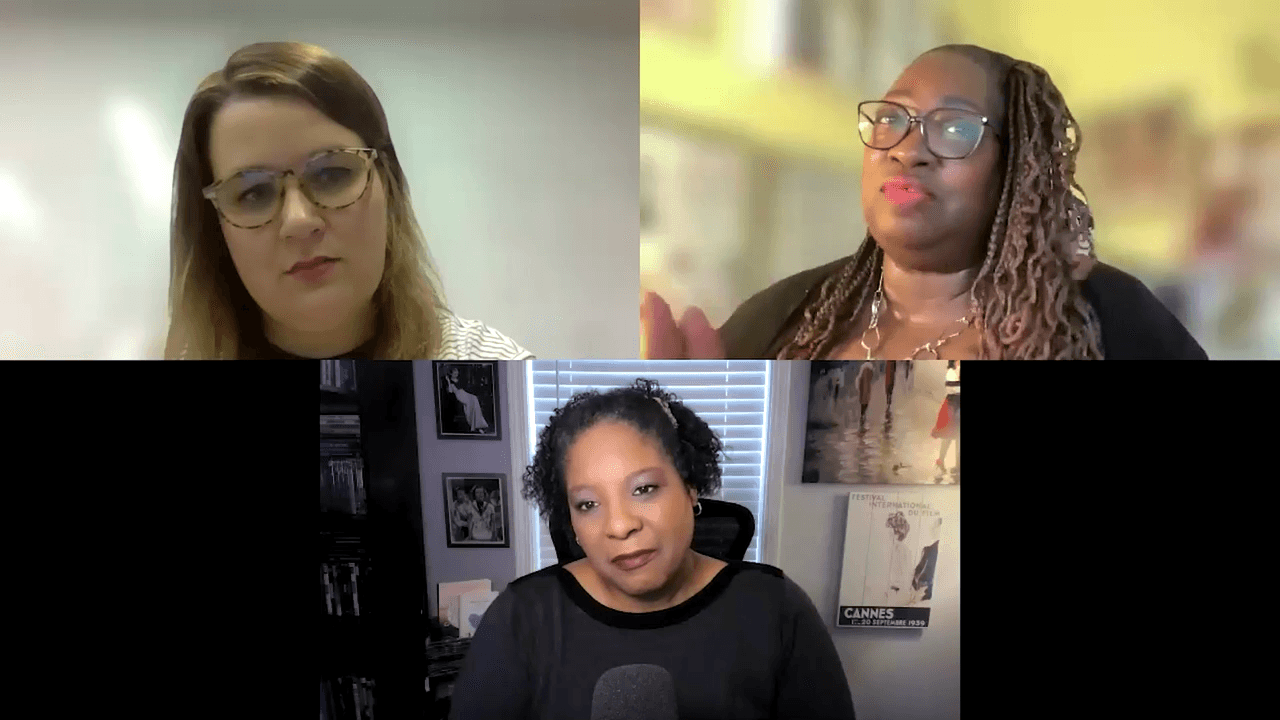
621	521
299	217
913	150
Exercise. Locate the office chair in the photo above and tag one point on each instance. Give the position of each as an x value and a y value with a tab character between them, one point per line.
722	530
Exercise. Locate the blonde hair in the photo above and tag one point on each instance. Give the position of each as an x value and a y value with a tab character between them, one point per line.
210	310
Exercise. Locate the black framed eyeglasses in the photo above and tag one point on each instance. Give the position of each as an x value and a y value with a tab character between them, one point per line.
949	134
332	180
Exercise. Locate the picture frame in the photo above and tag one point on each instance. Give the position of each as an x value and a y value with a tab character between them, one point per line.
467	400
883	422
472	518
891	547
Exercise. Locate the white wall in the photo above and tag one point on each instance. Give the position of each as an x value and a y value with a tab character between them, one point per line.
516	120
437	457
895	674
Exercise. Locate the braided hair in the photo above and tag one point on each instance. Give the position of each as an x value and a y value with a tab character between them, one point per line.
1027	292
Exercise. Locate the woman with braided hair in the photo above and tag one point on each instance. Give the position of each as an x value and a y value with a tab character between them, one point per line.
979	242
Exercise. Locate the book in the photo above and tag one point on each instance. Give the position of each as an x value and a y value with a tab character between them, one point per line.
344	425
342	487
340	447
340	587
449	603
338	376
472	608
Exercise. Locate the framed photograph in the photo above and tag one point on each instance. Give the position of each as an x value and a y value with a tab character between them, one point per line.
475	510
467	402
883	422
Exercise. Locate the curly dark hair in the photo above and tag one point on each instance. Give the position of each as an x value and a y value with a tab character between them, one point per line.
1029	302
691	444
897	522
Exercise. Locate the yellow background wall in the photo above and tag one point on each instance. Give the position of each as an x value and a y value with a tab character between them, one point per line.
708	85
1103	54
1108	54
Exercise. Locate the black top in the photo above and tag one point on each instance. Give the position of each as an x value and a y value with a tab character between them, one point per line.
748	646
257	347
1135	324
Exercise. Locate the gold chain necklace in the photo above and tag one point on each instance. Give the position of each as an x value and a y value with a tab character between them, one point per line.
877	308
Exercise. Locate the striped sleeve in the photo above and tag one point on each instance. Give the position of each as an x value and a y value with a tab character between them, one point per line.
473	340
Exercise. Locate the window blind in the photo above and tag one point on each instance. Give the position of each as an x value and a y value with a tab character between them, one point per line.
731	396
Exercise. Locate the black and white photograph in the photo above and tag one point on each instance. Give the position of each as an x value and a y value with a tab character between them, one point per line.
467	403
475	508
890	556
883	422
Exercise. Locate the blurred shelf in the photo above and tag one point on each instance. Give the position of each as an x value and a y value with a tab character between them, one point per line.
684	83
339	522
442	650
381	644
338	447
343	539
338	402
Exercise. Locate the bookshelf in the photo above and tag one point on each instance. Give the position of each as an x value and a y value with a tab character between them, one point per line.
373	579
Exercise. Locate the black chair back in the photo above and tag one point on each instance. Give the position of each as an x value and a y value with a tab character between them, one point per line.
722	530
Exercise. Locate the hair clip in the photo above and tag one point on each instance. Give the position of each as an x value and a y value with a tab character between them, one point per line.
667	409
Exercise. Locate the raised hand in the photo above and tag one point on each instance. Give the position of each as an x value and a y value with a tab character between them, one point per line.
662	338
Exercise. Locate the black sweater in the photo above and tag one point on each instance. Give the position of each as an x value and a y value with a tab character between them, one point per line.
1135	324
748	646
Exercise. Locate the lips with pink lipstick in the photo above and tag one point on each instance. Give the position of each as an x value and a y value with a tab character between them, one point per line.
903	191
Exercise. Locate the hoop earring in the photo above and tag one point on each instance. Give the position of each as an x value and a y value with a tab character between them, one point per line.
697	508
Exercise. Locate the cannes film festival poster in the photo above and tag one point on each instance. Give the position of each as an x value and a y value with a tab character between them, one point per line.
891	547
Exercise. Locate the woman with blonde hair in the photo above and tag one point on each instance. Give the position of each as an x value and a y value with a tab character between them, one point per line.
293	234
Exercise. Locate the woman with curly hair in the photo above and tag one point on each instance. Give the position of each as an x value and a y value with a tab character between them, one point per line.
623	471
979	242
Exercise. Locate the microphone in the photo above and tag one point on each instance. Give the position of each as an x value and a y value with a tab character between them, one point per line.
634	692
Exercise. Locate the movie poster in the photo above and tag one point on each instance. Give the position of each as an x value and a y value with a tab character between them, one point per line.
891	547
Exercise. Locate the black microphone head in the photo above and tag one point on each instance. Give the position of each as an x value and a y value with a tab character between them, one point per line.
634	692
